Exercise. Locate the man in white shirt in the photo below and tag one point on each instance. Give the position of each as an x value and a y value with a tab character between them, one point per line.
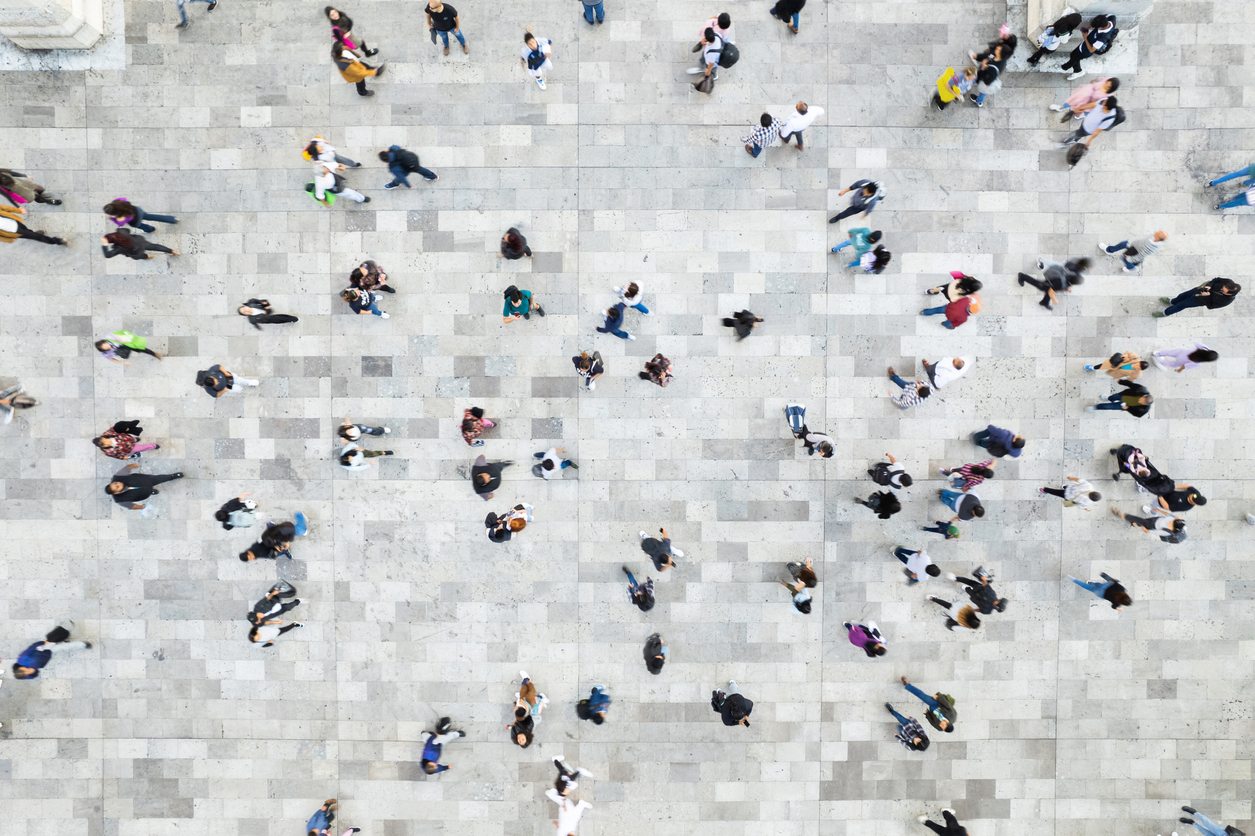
798	122
947	370
551	464
919	566
712	47
1079	493
568	812
1097	119
325	181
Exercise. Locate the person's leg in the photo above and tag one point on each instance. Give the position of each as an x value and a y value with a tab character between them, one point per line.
182	12
950	497
374	454
1240	200
169	477
1107	405
30	234
142	448
638	306
940	309
300	524
755	149
952	823
1037	56
1115	248
283	630
588	14
902	721
903	554
399	177
945	605
166	219
361	88
427	173
1128	265
845	213
981	438
138	223
839	247
902	384
1239	173
926	698
565	464
1179	304
936	828
457	33
1096	588
938	527
1074	60
795	19
732	688
444	36
352	195
623	335
1206	826
1053	491
57	647
1025	278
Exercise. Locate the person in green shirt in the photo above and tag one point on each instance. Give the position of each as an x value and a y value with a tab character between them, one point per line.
519	304
862	240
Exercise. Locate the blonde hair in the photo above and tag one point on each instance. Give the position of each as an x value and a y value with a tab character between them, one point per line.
969	72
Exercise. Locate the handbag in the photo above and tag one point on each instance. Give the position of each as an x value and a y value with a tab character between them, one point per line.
1075	152
57	635
705	84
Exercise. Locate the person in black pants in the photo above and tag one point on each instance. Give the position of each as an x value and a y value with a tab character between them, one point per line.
952	828
1135	400
884	503
12	228
980	592
272	605
514	245
486	476
131	489
132	245
866	195
1217	293
744	322
259	311
1058	278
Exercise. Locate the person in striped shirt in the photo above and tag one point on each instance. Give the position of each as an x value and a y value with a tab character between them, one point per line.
766	133
972	474
1132	254
910	732
912	394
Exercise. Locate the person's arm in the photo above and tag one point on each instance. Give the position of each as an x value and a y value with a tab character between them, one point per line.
892	460
843	191
1090	141
429	21
457	22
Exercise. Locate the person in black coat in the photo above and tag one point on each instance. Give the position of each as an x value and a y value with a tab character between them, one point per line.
982	595
744	322
884	503
1135	400
1216	293
787	11
259	311
132	245
655	654
486	476
514	245
131	489
732	706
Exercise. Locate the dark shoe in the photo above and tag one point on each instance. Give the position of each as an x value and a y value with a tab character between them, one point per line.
213	5
1186	821
371	52
182	25
889	707
390	187
356	165
367	200
52	201
155	491
1021	279
156	446
540	311
388	453
1189	810
380	69
368	93
574	466
88	645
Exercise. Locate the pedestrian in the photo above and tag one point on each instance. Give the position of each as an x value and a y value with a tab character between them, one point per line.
1133	253
862	239
594	12
1181	498
535	56
801	119
868	637
1005	39
957	312
952	87
1098	37
952	828
655	654
1212	294
355	72
1160	523
999	442
434	746
320	150
259	311
959	617
183	21
12	228
443	19
498	528
589	368
821	443
711	48
486	476
370	276
614	323
276	540
919	566
884	503
237	512
744	322
910	733
661	552
767	132
971	474
631	297
12	399
531	702
518	517
18	188
1086	97
804	573
965	504
132	245
1180	359
979	591
876	261
519	304
640	594
217	381
787	11
867	193
514	245
1110	590
989	74
356	457
947	370
593	708
124	213
1130	459
912	394
352	432
1135	400
342	33
327	183
960	285
273	604
1104	117
1056	278
1055	35
801	598
657	370
941	713
473	425
121	441
722	26
569	813
322	818
1206	826
551	464
732	705
131	489
566	780
887	475
1123	365
34	658
1079	494
402	163
946	529
362	302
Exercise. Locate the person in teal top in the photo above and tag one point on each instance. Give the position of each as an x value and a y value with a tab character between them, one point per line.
519	303
862	240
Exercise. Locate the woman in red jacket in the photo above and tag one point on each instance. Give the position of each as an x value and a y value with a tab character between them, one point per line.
957	312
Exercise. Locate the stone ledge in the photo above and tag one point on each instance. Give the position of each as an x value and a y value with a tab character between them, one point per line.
109	53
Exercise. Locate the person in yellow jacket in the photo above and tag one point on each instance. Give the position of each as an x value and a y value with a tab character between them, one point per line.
951	88
353	70
12	228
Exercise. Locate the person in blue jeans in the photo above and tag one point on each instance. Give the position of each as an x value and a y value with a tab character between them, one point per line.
1205	825
787	11
862	240
322	818
598	703
1248	173
124	213
1110	590
402	163
614	323
594	7
1243	199
934	714
183	22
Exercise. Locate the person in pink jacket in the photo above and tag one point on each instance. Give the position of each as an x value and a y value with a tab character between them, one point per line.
1086	96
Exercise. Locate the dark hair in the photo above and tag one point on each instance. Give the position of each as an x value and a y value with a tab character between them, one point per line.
724	20
512	293
923	745
765	120
1017	442
111	493
924	391
252	633
709	34
973	623
547	464
528	36
328	10
871	186
520	712
933	570
120	208
1122	599
1079	264
17	673
983	471
244	556
907	481
1203	355
337	50
1095	496
1100	21
349	294
5	180
1000	605
346	459
120	239
1144	365
430	767
1011	42
874	650
97	441
633	289
512	240
1178	526
969	285
220	515
644	603
383	155
1198	498
597	718
1110	103
978	510
882	258
803	606
874	236
468	424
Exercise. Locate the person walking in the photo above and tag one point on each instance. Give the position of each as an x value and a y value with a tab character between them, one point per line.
971	474
319	824
1160	523
569	813
884	503
589	368
536	56
12	229
1212	294
722	26
132	245
912	394
999	442
614	323
1179	359
594	12
18	188
965	504
1131	460
567	777
327	183
1123	365
1181	498
795	415
273	605
519	304
36	657
1086	97
276	540
370	276
320	150
919	566
1133	253
711	48
259	311
744	322
433	748
181	4
124	213
352	432
867	636
1135	400
631	297
890	475
217	381
486	476
121	441
952	87
655	654
131	489
959	617
473	425
403	163
657	370
661	552
342	33
529	698
592	708
1079	493
551	464
1057	278
443	19
355	72
910	733
804	573
514	245
946	529
767	132
941	713
1103	117
862	239
952	826
731	705
802	118
356	457
867	193
1097	39
640	594
362	302
957	312
12	399
237	512
989	74
947	370
1110	590
960	285
979	591
1248	173
801	598
788	11
1206	826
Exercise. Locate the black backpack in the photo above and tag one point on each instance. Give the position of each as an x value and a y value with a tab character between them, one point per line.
717	699
1111	37
729	55
408	160
1119	120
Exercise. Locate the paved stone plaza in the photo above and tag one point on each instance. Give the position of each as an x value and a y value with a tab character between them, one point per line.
1075	720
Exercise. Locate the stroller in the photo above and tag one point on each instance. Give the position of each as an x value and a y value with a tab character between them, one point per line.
1129	459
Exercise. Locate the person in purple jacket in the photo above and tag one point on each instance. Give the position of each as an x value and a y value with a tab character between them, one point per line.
999	442
867	636
34	658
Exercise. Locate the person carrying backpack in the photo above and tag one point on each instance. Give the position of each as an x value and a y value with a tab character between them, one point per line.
941	713
402	162
1099	36
1055	35
732	705
1103	117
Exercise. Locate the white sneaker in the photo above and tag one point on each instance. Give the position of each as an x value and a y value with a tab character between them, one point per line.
582	771
592	384
952	577
1250	519
1103	248
1146	509
921	819
949	810
630	337
383	316
1076	75
559	759
541	83
251	382
677	553
643	535
695	70
1057	108
386	430
523	675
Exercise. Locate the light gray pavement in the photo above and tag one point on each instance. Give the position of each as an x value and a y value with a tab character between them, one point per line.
1074	720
